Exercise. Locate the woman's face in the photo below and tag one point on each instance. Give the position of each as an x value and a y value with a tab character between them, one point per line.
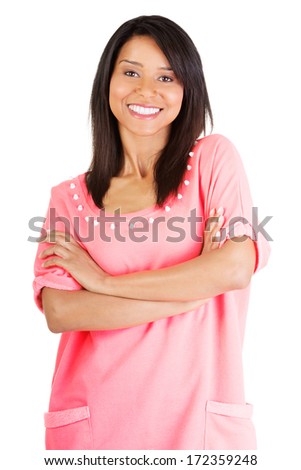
145	95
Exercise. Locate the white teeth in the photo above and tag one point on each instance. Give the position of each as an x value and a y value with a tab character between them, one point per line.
142	110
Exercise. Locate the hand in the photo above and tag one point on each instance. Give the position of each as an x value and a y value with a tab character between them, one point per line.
212	232
65	252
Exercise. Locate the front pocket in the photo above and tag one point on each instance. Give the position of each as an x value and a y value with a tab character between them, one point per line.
229	426
68	429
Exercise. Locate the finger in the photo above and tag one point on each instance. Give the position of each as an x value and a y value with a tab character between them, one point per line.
212	232
56	236
209	227
213	225
54	250
210	223
216	232
216	235
216	212
54	261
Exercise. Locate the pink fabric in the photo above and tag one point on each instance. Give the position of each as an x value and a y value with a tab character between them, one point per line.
56	419
176	383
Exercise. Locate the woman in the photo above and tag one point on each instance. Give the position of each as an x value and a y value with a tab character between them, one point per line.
151	313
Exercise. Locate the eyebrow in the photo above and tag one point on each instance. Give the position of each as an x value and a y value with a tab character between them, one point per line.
133	62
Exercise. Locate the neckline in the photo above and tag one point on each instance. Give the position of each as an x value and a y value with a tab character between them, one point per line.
96	210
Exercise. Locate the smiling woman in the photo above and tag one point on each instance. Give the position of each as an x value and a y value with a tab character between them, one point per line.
144	103
150	355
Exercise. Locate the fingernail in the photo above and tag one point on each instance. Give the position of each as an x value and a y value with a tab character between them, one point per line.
218	234
220	220
220	210
211	212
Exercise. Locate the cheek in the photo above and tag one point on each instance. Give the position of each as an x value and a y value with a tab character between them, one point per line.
112	95
117	93
176	100
119	88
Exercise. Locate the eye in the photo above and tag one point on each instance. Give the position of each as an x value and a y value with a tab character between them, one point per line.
166	79
131	73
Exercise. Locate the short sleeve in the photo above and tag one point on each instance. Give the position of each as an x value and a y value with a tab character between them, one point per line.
55	277
224	184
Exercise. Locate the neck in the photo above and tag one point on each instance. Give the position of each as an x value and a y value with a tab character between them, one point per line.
140	154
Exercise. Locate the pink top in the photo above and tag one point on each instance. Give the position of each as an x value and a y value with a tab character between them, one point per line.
175	383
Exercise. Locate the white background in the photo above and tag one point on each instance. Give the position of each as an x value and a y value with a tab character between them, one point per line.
251	56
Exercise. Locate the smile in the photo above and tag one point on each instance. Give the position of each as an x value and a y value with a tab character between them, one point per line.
144	111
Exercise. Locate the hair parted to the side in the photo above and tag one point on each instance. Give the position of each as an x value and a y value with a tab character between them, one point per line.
190	123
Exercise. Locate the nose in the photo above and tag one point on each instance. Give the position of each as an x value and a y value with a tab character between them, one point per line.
146	87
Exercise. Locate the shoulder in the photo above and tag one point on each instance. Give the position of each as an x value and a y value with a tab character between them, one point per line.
69	192
65	184
216	149
214	143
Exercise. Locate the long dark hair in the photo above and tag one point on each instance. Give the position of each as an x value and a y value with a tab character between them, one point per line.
184	59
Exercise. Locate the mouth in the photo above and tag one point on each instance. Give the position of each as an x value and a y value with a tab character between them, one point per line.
144	110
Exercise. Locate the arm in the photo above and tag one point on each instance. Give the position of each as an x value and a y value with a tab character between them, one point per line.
208	275
213	273
87	311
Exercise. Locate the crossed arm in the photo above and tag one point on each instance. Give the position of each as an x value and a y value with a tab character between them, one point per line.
109	302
